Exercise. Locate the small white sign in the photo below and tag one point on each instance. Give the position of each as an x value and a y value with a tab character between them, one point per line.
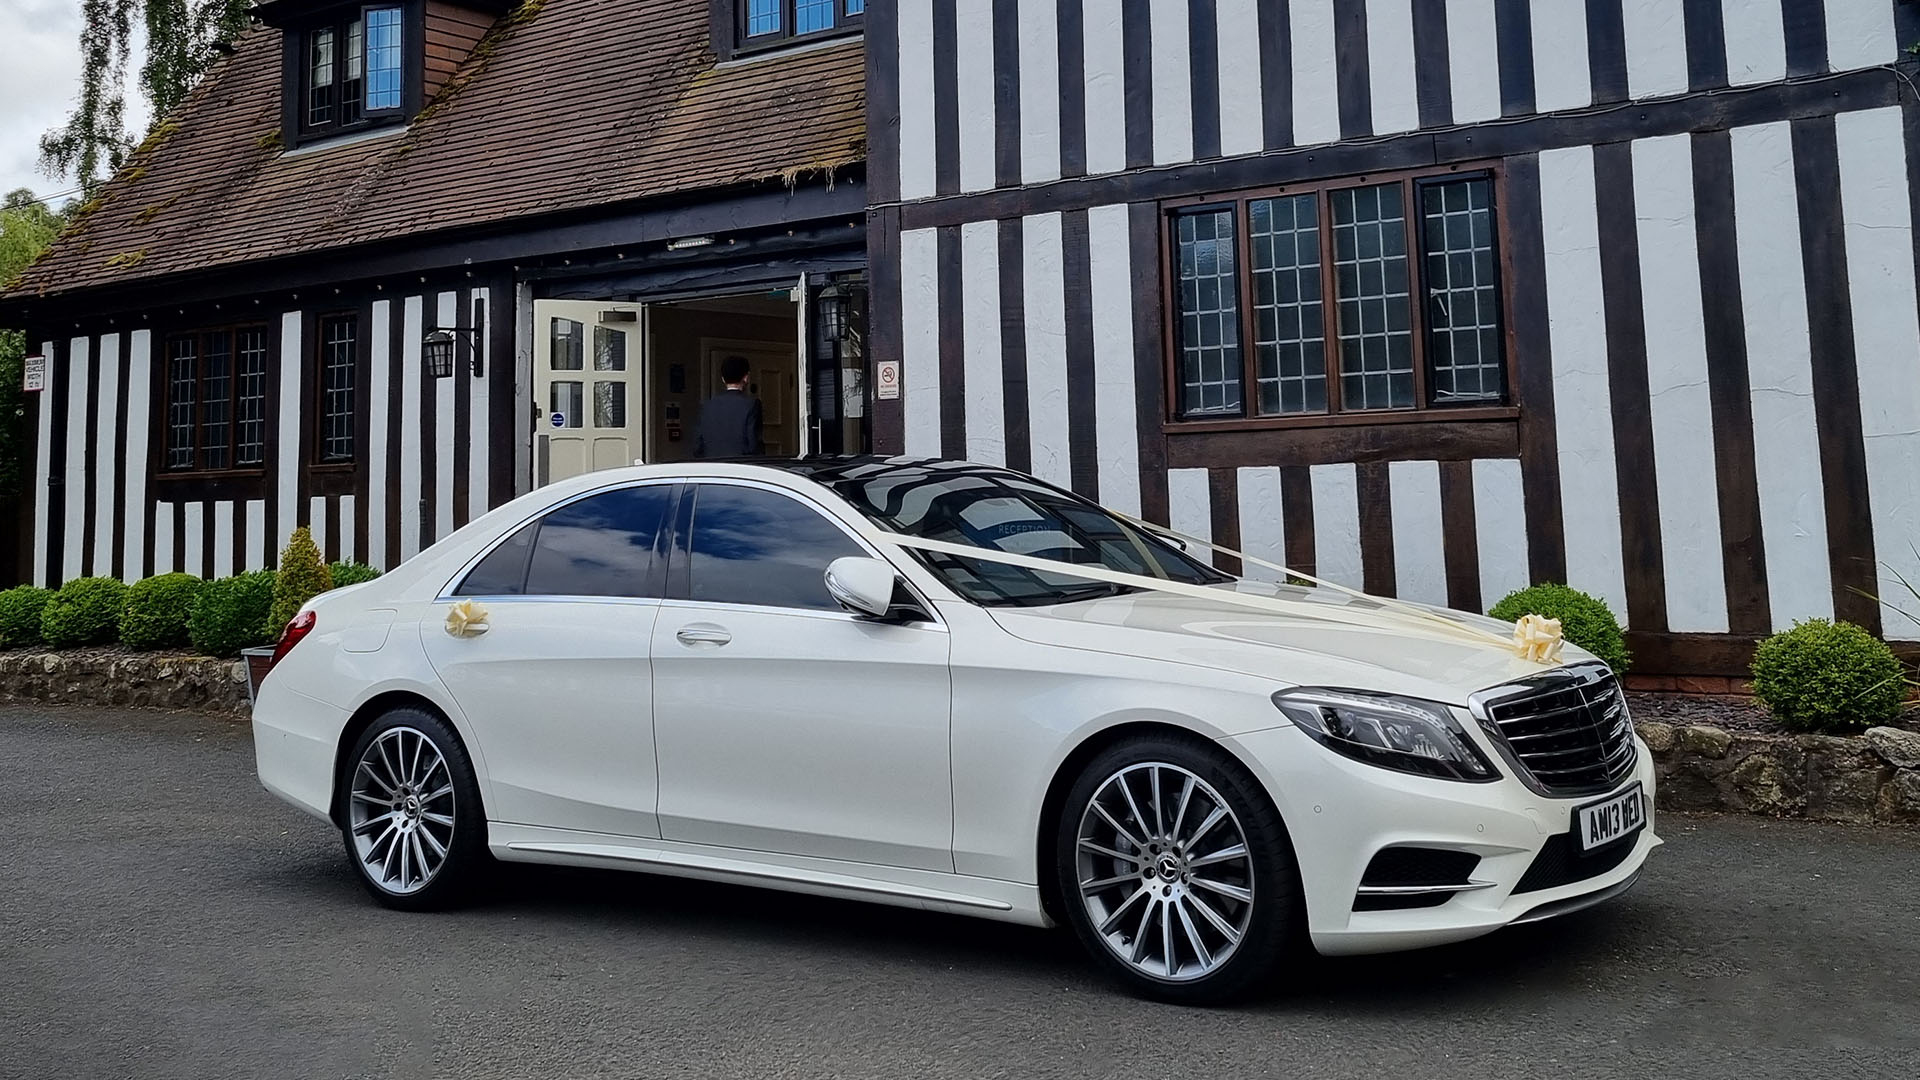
559	419
887	375
34	378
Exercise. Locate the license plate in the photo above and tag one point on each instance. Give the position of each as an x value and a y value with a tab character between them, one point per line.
1613	818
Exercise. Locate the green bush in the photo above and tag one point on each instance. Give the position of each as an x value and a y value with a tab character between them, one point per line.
20	609
230	614
86	611
1827	676
157	611
350	573
1585	620
302	576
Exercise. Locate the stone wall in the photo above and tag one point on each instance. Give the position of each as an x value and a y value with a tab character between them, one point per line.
117	677
1875	777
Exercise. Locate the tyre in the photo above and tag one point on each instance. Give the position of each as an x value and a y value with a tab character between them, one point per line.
1176	871
413	825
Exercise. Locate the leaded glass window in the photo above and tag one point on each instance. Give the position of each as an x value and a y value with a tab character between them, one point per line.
339	362
1209	334
215	407
1289	317
250	415
1370	284
354	70
1363	295
762	22
1463	295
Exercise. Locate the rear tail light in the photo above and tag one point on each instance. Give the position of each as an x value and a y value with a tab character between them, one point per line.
298	628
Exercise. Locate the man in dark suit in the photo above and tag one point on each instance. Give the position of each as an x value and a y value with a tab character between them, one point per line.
730	420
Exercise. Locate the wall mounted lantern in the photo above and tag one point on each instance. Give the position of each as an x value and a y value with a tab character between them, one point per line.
438	347
834	305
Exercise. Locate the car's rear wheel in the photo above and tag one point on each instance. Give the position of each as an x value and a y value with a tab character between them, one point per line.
412	823
1176	871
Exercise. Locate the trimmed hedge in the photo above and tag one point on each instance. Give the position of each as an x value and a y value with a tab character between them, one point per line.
86	611
231	614
1585	620
350	573
157	611
20	610
1828	676
302	576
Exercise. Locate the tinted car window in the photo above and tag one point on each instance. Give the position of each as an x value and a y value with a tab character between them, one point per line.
504	571
756	547
1007	512
599	546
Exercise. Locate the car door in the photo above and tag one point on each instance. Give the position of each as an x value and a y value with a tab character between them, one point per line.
783	723
558	688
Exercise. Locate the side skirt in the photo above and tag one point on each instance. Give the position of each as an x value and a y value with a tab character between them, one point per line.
926	890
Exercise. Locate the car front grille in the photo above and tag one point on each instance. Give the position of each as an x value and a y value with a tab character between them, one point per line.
1568	730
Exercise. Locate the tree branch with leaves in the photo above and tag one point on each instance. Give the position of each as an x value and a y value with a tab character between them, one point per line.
183	39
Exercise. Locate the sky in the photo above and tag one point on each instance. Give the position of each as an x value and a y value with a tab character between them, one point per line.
39	78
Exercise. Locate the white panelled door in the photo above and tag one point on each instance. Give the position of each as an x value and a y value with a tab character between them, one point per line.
588	385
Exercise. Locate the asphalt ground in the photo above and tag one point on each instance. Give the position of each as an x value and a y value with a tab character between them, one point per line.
162	916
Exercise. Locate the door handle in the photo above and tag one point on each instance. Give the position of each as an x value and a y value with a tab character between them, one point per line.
694	636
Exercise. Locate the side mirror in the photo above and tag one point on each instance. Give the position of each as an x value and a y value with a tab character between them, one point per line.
861	585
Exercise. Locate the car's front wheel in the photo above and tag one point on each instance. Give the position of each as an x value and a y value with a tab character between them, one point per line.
1175	870
412	823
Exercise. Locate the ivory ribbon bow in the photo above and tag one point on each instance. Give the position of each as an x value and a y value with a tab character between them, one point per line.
466	618
1537	638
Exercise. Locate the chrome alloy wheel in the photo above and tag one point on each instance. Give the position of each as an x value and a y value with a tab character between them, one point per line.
1164	872
401	810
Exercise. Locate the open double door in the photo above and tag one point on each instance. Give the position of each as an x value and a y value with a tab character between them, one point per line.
619	383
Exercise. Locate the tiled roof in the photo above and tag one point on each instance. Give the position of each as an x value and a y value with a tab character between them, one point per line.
583	103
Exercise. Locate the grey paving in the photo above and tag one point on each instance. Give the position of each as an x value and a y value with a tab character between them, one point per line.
161	916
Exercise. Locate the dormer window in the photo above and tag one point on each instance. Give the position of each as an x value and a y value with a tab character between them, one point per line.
354	72
760	23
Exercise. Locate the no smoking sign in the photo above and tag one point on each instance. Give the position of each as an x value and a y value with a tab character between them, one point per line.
888	378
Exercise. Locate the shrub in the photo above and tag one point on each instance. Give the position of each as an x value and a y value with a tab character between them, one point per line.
86	611
1585	620
301	577
20	609
157	611
351	573
1827	676
230	614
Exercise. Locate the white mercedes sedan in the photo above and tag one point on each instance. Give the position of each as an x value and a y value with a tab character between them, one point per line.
796	675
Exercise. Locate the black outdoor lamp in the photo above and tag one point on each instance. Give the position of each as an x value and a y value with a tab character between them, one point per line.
833	312
438	347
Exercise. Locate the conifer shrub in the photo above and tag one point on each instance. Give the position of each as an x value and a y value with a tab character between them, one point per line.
302	576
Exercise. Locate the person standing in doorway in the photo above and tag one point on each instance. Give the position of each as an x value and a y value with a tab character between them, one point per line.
730	420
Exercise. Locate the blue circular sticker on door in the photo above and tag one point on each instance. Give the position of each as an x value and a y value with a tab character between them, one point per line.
559	419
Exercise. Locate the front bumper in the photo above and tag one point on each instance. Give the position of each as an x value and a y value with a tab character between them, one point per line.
1341	813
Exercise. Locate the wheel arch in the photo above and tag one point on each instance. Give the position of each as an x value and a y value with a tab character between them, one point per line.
363	717
1069	770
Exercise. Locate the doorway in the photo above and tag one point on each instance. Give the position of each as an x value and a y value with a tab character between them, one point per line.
623	382
689	340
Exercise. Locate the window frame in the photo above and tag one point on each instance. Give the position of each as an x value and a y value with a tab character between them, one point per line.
1424	410
298	76
739	44
317	460
162	444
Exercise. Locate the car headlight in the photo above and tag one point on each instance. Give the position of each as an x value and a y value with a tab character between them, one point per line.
1404	734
